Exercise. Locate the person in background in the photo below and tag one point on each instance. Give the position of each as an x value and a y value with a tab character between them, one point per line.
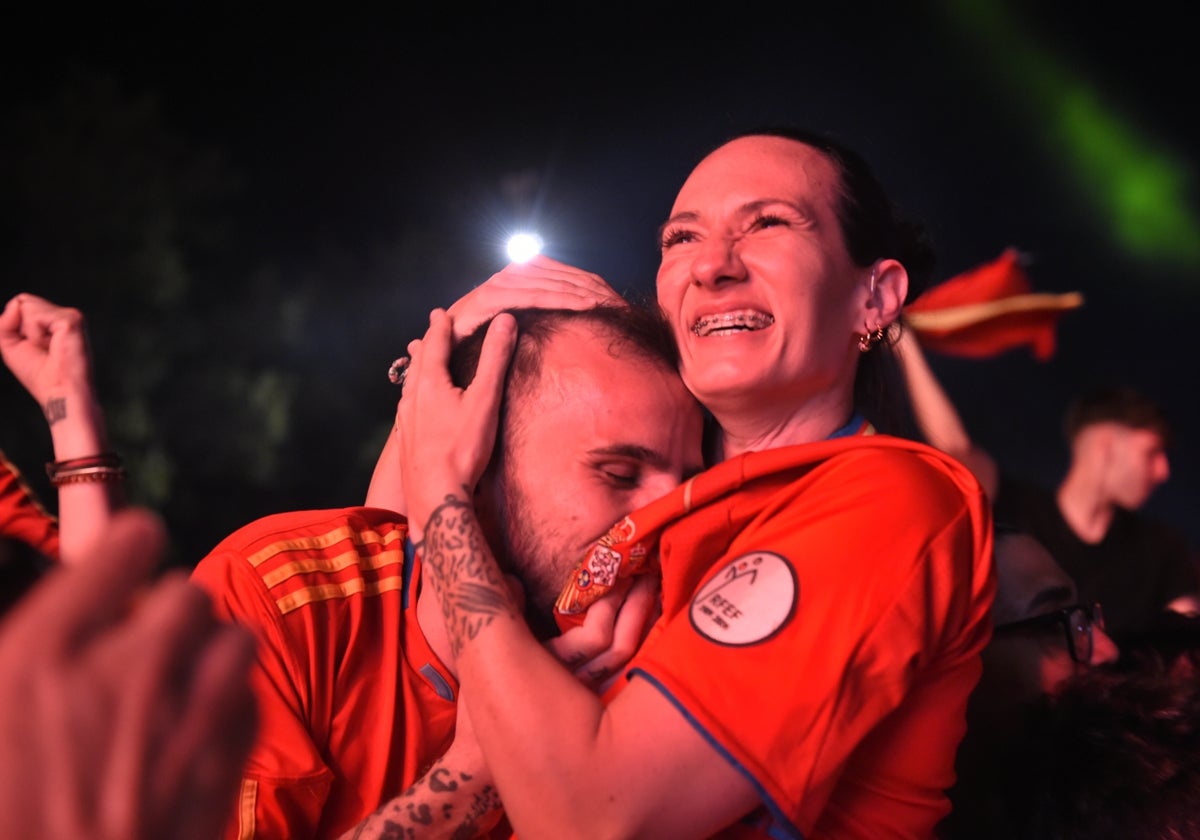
826	589
45	346
1113	754
1043	637
1139	568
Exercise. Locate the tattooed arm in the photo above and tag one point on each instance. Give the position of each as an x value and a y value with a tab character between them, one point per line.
564	764
45	346
454	800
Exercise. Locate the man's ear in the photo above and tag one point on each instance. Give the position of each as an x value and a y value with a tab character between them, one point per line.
886	292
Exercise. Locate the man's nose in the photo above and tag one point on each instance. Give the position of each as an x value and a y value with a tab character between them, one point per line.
1163	471
1104	649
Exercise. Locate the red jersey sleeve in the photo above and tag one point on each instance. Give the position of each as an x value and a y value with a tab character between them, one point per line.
22	516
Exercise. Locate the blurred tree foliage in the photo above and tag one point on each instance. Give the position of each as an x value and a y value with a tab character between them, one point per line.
238	380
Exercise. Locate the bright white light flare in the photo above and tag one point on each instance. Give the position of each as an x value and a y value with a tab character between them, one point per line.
523	247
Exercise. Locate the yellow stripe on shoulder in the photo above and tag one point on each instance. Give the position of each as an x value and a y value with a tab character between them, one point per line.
319	541
308	565
332	591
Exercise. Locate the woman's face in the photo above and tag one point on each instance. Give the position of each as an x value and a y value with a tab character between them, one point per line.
755	277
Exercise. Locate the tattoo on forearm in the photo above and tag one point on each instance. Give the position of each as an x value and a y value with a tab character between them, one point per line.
441	781
410	816
56	409
472	587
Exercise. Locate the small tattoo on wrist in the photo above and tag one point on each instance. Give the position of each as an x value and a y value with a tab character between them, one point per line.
56	409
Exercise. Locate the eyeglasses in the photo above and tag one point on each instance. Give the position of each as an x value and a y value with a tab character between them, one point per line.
1076	621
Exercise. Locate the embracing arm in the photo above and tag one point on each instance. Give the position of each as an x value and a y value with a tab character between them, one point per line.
45	346
386	489
456	797
633	768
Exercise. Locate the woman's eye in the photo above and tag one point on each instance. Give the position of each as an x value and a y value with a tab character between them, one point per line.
675	236
767	220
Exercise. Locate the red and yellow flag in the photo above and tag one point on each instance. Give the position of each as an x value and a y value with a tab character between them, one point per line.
988	310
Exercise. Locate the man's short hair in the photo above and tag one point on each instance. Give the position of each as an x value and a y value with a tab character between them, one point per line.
637	328
1115	404
1114	754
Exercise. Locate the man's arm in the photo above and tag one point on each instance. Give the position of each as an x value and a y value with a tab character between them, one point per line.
386	489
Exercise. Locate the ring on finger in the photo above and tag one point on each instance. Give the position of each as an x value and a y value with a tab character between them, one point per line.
398	372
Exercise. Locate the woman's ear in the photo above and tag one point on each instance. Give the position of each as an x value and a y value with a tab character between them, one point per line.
888	287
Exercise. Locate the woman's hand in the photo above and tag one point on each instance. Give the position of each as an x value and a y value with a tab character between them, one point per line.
612	631
540	283
447	433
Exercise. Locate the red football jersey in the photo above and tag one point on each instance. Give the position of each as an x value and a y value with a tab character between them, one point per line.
353	704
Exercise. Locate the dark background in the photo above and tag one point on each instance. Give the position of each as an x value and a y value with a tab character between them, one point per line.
256	213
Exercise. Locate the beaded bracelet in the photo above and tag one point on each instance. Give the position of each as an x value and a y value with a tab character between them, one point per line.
88	474
103	467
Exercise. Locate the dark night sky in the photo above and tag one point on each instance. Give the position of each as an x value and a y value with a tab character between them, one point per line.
352	129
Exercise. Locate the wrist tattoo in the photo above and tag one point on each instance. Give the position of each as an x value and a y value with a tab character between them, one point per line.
56	409
472	588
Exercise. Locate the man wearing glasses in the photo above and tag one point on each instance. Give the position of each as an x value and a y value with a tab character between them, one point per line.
1042	636
1043	633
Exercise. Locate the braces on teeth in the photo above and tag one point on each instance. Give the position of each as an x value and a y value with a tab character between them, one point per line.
756	320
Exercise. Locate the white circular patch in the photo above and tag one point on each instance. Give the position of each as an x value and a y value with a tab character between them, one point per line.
747	601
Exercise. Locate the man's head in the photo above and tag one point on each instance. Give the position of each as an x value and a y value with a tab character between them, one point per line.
1119	437
595	423
1042	633
1114	754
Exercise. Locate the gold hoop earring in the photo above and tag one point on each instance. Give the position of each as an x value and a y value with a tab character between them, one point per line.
870	338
